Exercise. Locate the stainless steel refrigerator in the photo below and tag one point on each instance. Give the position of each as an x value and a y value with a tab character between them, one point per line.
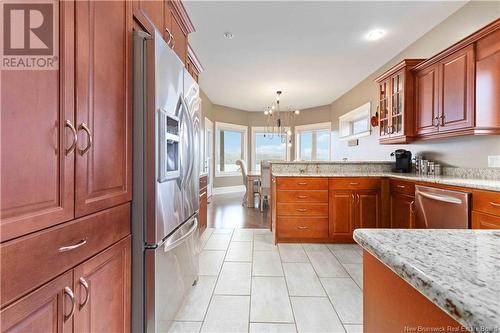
165	184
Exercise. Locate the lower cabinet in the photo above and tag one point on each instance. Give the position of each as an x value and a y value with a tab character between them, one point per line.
92	297
485	221
47	309
402	210
202	216
351	209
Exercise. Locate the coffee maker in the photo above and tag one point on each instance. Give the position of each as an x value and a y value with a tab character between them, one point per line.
403	161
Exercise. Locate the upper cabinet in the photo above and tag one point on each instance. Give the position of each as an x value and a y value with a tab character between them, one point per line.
169	17
456	91
451	94
395	106
193	65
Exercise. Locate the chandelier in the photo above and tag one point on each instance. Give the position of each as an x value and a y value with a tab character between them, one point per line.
279	122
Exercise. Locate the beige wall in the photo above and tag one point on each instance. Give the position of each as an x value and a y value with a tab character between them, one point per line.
463	152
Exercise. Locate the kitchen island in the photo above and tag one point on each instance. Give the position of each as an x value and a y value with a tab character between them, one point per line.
456	271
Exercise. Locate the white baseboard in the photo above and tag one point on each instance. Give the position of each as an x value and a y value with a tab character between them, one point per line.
229	189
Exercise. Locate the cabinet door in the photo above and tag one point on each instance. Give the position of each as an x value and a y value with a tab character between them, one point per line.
102	291
384	109
402	213
47	309
179	38
202	218
367	209
457	90
153	10
37	186
103	109
341	213
485	221
397	104
426	86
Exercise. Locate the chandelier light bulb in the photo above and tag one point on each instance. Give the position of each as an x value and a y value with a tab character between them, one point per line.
289	132
272	107
289	144
271	111
297	112
266	112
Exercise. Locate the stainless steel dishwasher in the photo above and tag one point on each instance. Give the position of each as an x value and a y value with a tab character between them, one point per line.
441	209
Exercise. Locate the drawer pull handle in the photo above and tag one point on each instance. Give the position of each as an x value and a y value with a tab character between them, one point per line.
302	228
302	210
72	247
85	286
68	292
301	196
495	204
353	184
401	186
302	183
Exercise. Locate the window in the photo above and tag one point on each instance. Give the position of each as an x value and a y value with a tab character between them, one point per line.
231	143
266	147
312	142
356	123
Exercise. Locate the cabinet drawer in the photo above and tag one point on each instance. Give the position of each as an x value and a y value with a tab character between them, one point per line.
302	183
486	201
302	209
30	261
403	187
319	196
485	221
354	183
298	227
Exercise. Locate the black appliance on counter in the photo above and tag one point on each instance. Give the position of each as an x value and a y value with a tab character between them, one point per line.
403	161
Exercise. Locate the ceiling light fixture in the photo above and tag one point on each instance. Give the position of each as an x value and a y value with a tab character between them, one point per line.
375	34
228	35
279	122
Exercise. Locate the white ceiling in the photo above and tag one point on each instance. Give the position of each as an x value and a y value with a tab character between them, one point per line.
313	51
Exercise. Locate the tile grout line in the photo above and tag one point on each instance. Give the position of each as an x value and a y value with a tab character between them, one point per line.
251	283
288	290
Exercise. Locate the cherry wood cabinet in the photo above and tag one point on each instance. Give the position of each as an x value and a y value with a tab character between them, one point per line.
102	291
396	114
456	90
47	309
485	221
402	211
36	125
341	214
103	104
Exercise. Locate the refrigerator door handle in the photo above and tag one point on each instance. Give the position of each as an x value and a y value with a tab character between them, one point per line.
176	240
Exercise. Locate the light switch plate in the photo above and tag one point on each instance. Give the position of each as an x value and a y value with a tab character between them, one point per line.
494	161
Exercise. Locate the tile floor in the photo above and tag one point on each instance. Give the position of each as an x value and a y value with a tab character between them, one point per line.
247	284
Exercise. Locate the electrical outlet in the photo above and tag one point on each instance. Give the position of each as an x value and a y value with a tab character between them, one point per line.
494	161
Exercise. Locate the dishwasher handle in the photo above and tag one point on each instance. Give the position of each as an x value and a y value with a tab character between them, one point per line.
442	198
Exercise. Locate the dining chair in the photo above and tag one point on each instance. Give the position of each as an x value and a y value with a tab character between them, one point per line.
265	183
255	186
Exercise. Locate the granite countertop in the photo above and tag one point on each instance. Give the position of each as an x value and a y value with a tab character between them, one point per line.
458	270
483	184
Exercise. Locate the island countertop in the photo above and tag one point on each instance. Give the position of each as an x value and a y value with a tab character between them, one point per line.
458	270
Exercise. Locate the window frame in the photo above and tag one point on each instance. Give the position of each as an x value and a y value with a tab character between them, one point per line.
313	128
261	129
229	127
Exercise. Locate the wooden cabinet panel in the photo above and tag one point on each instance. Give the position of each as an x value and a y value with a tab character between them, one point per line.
303	209
302	183
426	100
367	209
103	163
457	90
486	201
202	216
153	10
341	213
102	291
43	310
403	187
354	183
319	196
299	227
37	171
488	81
485	221
402	211
32	260
179	39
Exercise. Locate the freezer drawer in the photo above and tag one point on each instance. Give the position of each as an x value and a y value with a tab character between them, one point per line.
441	209
170	271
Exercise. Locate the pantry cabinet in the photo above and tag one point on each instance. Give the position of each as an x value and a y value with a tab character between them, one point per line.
38	141
103	105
